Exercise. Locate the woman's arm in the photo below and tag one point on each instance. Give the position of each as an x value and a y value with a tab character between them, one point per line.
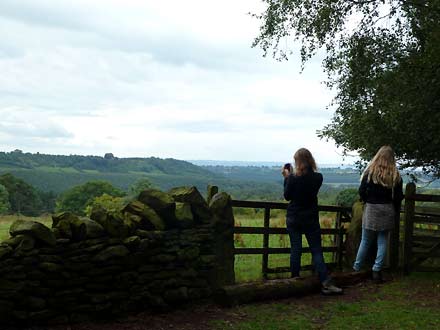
398	194
363	188
289	184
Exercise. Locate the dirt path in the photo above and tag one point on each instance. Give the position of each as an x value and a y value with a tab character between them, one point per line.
208	317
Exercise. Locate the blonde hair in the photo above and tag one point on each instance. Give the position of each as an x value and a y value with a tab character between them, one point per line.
382	168
304	161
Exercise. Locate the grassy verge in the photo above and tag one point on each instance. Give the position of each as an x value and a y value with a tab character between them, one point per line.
409	303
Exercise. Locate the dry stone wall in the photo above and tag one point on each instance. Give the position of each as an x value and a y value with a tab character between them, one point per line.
160	251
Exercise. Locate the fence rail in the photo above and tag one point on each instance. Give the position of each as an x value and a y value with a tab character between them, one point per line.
343	214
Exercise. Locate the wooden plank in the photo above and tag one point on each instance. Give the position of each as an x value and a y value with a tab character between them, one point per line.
422	253
425	238
277	270
278	250
427	219
425	198
428	269
266	242
429	211
409	226
245	293
279	231
430	253
426	232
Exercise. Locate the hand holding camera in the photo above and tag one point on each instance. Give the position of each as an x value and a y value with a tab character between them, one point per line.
287	170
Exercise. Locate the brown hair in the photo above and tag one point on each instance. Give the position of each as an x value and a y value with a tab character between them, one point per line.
382	168
304	162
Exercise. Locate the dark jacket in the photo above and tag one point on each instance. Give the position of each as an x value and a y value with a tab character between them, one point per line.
302	192
373	193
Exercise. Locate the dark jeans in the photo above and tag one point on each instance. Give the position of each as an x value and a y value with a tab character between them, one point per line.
313	235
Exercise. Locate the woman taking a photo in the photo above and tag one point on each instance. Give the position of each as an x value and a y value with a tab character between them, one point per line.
381	190
301	189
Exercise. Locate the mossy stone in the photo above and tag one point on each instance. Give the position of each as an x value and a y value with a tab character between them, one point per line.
184	216
149	219
27	243
160	202
50	267
191	195
35	229
5	251
93	228
118	251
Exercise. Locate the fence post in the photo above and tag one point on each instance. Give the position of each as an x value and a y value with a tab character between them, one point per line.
265	261
409	226
394	241
223	245
338	241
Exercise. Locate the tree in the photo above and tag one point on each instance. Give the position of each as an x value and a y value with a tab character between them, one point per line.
347	197
383	60
140	185
110	203
23	198
4	200
79	197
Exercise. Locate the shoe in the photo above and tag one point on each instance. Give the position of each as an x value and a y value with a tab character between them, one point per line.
377	276
328	288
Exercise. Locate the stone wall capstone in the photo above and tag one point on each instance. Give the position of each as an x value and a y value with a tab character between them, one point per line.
158	252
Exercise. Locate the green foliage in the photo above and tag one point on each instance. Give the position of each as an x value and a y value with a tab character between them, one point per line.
383	59
78	198
140	185
108	202
23	198
4	200
347	197
48	201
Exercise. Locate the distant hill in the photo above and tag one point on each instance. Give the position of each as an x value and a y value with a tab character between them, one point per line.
332	176
59	172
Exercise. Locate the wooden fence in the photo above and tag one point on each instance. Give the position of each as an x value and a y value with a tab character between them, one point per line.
342	216
421	231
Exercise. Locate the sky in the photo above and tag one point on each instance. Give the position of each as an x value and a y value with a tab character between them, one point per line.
140	78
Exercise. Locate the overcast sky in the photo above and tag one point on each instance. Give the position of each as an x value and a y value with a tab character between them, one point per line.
153	78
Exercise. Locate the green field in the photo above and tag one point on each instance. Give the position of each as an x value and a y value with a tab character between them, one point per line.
248	267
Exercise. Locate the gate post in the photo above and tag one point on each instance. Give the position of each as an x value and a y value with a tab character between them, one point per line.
223	226
395	241
265	259
409	226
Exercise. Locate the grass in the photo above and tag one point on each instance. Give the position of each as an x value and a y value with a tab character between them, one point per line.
407	304
7	220
248	267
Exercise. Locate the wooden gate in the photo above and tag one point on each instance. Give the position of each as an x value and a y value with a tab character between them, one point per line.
421	232
342	216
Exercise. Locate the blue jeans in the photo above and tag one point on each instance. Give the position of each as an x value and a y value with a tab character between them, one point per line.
313	236
368	237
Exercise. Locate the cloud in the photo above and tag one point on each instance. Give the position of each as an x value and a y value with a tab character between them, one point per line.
169	78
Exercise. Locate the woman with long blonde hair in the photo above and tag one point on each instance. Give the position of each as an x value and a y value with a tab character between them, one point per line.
381	190
301	188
